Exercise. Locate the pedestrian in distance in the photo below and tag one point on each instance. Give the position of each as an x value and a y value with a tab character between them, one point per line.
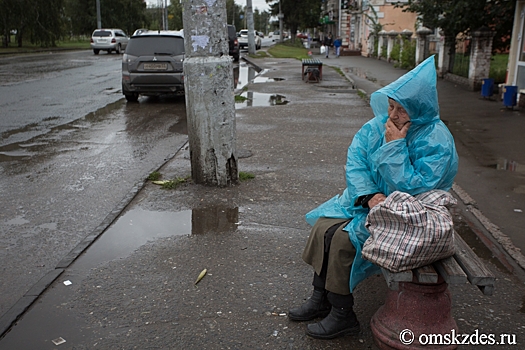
328	43
337	45
405	147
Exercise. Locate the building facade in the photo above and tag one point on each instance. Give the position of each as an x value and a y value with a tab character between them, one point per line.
355	20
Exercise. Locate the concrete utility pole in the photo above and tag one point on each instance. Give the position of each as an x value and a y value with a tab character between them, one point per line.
99	21
251	32
280	16
208	84
166	25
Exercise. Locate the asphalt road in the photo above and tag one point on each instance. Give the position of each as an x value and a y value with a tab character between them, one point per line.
70	150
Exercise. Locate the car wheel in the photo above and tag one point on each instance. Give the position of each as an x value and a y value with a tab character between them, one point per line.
117	50
132	97
96	51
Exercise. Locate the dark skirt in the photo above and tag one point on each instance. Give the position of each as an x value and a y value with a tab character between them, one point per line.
340	256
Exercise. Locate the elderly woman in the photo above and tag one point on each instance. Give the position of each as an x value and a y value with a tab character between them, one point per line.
405	147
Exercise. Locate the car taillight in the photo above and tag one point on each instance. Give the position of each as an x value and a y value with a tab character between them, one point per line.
113	40
92	40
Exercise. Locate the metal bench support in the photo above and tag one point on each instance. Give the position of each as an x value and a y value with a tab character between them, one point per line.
312	65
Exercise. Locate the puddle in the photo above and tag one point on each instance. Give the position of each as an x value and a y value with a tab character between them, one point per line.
258	99
9	156
52	317
258	80
481	250
242	75
19	220
137	226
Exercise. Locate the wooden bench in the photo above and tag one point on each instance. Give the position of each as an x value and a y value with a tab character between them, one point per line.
312	69
418	300
463	266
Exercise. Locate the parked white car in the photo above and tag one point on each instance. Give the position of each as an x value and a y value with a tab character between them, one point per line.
243	39
109	40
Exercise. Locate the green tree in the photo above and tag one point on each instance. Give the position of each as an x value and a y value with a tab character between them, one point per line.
175	15
48	22
81	16
127	15
465	16
297	13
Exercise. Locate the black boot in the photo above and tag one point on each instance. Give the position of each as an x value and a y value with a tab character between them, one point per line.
340	321
316	306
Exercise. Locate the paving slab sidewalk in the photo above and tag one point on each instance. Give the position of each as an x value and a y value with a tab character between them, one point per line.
249	238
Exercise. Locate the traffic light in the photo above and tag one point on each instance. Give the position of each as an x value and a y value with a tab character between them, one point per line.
344	4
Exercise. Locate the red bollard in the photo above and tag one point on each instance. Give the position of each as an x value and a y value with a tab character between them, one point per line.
411	311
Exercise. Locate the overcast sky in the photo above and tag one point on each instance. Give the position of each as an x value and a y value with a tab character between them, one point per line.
256	4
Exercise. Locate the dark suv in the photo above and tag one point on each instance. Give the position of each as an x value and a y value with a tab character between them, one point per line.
233	42
152	64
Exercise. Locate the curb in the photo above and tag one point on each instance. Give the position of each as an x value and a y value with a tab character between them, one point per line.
8	319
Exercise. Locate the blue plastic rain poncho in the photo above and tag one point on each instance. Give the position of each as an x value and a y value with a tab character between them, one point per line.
426	159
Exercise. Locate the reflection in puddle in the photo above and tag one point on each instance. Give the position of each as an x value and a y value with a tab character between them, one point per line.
510	165
9	156
137	226
242	75
265	80
214	220
257	99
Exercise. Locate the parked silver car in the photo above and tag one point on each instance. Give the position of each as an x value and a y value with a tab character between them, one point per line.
109	40
152	64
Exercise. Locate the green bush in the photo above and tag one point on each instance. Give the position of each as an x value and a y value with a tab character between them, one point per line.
395	54
376	45
407	57
498	68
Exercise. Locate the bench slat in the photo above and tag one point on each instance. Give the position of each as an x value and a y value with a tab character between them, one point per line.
393	279
476	271
450	270
426	274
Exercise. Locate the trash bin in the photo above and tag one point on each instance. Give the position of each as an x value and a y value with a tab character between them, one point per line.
510	95
487	87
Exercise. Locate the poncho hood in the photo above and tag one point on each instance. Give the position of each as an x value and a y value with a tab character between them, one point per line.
415	91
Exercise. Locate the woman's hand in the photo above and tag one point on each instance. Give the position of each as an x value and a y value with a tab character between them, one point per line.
375	200
393	133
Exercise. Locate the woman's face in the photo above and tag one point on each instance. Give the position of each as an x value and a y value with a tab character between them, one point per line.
397	114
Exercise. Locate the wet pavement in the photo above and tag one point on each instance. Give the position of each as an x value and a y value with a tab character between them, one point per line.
135	286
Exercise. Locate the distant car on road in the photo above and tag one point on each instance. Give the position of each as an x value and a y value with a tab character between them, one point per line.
109	40
243	39
233	42
152	65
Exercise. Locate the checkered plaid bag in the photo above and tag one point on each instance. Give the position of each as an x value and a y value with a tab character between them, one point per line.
408	232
